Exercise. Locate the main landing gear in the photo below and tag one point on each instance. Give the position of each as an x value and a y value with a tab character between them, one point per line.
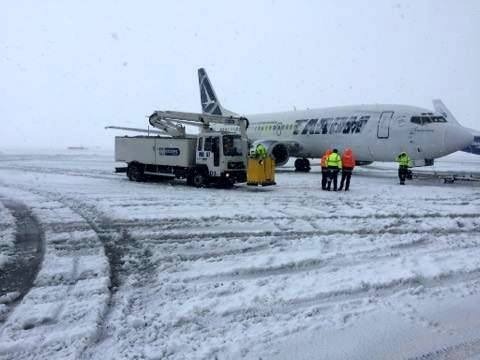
302	165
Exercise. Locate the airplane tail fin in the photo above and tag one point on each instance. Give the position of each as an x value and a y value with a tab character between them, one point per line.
440	107
208	98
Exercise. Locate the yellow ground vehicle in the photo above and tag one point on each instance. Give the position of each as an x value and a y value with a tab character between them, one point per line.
261	171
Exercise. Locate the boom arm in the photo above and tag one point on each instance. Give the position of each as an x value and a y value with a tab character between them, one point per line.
171	121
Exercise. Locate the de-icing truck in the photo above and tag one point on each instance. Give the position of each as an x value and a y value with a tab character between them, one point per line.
211	157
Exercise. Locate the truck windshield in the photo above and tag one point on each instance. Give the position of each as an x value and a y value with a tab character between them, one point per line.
232	145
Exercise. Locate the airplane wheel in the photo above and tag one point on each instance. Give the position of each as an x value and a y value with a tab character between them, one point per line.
298	165
306	165
302	165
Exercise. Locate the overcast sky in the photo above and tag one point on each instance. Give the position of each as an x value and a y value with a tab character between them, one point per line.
68	68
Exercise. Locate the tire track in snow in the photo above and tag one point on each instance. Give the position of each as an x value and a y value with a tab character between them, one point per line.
17	277
118	243
329	264
464	350
182	238
212	221
364	292
100	224
59	171
353	298
69	274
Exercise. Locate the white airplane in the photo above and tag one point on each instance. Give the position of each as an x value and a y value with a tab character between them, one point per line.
373	132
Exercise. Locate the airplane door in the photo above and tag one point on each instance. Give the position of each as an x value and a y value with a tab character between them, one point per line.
383	128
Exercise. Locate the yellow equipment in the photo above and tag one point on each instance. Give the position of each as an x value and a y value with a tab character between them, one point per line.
261	171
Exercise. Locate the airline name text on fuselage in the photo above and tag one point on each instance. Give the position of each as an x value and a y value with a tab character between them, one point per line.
338	125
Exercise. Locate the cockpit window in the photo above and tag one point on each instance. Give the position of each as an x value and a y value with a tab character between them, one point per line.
438	119
421	120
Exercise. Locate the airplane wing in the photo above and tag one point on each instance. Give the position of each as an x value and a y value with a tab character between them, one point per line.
448	176
146	131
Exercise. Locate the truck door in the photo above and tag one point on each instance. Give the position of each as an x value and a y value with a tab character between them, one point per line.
216	151
383	127
210	155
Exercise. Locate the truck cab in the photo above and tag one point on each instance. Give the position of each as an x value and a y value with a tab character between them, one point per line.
220	157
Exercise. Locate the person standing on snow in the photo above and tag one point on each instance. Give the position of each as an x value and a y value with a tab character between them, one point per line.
334	163
348	163
260	152
404	163
323	164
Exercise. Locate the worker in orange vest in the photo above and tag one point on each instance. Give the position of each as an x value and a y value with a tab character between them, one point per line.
348	163
323	164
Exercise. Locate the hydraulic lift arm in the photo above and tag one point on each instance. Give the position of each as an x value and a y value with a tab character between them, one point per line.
171	121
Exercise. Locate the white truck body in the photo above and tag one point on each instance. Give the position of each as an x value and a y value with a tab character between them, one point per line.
210	157
156	150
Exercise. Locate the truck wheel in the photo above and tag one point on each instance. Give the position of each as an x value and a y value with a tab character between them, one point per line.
135	173
198	180
228	184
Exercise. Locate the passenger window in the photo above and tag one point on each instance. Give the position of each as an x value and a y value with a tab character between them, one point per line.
426	119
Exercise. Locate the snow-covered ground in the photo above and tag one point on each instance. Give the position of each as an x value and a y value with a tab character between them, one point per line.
166	271
7	235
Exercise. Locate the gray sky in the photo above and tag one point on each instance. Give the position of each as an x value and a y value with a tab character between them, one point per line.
69	68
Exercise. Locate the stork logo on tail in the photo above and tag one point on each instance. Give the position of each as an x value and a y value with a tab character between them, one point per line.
210	104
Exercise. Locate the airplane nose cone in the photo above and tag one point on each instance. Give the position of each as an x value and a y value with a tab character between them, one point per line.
457	138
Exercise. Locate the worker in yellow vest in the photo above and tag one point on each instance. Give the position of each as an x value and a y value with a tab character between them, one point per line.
334	164
404	163
261	152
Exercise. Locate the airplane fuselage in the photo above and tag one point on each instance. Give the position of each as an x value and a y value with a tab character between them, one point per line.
374	132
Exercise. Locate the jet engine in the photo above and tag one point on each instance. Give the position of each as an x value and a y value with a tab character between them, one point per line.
277	150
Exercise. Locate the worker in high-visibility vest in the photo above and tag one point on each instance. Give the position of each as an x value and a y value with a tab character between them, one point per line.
334	163
348	163
261	151
404	163
324	166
